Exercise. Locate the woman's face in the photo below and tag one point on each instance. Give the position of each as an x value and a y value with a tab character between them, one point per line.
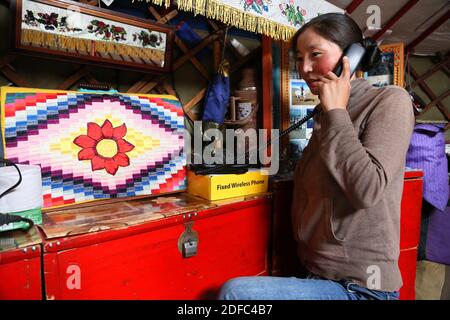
316	56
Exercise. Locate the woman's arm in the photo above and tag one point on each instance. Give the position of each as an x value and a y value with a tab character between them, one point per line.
363	168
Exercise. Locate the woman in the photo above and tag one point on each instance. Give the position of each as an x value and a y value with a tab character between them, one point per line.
349	181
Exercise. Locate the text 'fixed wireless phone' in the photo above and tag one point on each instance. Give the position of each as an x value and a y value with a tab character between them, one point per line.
355	53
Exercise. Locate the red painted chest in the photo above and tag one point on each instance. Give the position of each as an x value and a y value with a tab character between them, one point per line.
20	265
175	247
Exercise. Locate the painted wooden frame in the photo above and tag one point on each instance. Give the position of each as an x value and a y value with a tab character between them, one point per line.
68	30
390	71
285	70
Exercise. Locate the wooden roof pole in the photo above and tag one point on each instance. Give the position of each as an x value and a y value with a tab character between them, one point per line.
429	31
442	109
395	18
352	6
10	73
434	100
437	67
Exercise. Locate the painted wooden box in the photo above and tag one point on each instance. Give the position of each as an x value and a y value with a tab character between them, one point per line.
170	247
20	265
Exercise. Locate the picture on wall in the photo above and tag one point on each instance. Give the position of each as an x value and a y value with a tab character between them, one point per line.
298	112
300	94
383	73
389	71
302	102
69	30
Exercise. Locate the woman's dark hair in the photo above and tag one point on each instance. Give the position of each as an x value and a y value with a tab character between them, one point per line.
342	30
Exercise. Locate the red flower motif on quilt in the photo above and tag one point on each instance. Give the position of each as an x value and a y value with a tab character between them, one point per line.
104	146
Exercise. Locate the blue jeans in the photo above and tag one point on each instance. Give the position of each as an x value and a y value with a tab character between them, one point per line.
284	288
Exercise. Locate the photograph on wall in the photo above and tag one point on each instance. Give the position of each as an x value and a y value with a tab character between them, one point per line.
302	102
300	94
299	138
383	73
296	113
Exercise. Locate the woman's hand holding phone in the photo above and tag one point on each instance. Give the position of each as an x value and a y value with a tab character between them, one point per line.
334	91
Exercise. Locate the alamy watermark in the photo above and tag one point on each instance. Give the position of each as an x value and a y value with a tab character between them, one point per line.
374	19
73	281
233	146
374	279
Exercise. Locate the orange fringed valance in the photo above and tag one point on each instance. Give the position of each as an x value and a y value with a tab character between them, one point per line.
90	47
278	19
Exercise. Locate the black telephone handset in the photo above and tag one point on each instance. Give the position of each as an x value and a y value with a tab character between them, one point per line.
355	53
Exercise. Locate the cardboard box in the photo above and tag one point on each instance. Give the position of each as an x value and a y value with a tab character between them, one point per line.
223	186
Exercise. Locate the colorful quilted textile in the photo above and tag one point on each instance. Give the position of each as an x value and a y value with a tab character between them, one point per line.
95	146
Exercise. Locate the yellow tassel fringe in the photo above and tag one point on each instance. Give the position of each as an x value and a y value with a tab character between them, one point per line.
231	16
84	46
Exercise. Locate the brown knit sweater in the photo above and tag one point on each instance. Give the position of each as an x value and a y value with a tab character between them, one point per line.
348	188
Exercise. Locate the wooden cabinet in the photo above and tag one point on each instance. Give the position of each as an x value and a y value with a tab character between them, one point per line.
145	260
411	208
20	265
284	257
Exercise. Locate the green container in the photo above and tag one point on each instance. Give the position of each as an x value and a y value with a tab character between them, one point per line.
33	214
